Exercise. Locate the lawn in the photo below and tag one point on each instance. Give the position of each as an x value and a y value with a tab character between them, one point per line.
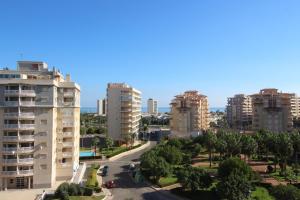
92	177
85	197
166	181
261	194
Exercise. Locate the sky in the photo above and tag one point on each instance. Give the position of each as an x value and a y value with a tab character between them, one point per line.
161	47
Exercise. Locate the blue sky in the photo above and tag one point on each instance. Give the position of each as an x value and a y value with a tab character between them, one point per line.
161	47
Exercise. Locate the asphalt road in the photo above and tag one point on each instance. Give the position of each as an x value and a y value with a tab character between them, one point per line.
126	188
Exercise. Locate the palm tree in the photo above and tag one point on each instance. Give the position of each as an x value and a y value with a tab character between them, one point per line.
210	140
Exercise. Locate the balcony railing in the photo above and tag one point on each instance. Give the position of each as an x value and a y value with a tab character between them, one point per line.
10	161
23	115
25	160
26	137
26	126
67	134
11	126
67	144
11	103
10	138
66	164
27	103
11	92
68	94
67	154
28	93
68	124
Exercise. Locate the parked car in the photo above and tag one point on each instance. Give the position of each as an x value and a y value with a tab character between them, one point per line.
110	184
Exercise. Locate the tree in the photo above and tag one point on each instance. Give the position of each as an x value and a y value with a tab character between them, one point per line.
194	178
236	186
109	142
228	166
285	150
282	192
249	146
171	154
210	140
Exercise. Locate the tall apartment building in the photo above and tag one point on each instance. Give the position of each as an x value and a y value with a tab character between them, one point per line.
152	106
101	107
272	111
39	126
239	112
123	111
295	106
189	113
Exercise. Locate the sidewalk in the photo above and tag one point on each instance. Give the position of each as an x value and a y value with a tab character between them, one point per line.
107	193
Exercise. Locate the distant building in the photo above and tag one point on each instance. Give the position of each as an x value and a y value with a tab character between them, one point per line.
39	126
239	112
189	114
101	107
152	107
272	110
123	111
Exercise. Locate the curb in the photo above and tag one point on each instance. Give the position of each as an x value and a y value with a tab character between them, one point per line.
144	146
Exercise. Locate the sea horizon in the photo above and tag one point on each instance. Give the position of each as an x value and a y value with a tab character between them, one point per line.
144	109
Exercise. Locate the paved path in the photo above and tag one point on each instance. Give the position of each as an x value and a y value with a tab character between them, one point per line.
125	186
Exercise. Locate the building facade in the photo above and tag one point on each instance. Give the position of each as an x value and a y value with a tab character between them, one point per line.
123	111
272	110
239	112
152	107
39	126
189	114
101	107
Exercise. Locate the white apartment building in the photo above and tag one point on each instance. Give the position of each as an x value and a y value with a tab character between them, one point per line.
39	126
123	111
101	107
152	107
239	112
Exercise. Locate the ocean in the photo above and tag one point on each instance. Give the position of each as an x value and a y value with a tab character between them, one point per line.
144	109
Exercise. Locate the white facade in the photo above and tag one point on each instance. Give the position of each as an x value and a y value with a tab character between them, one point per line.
152	107
123	111
101	107
39	126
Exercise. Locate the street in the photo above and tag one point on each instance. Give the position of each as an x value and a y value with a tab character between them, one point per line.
126	188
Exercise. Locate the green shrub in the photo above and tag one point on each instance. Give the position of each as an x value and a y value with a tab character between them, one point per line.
282	192
97	189
88	191
92	178
62	188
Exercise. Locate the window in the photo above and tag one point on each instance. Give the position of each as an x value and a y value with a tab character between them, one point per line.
11	181
44	122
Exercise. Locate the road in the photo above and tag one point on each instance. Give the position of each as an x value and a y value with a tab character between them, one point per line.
126	188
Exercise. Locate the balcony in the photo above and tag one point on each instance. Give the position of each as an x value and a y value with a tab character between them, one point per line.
68	103
11	126
27	93
10	161
26	149
66	164
67	134
67	124
22	115
11	92
28	172
11	103
67	154
26	126
27	103
26	137
13	150
68	94
10	138
67	144
25	161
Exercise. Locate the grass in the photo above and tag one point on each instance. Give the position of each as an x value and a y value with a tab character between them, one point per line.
261	194
113	151
85	197
92	178
85	149
166	181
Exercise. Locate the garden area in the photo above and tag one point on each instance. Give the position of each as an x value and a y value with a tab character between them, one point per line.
71	191
227	165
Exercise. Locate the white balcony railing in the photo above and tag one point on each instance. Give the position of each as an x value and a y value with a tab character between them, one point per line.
19	115
25	160
67	134
26	137
11	126
29	93
11	92
27	103
9	149
66	164
68	124
25	172
67	154
26	126
10	161
67	144
68	94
